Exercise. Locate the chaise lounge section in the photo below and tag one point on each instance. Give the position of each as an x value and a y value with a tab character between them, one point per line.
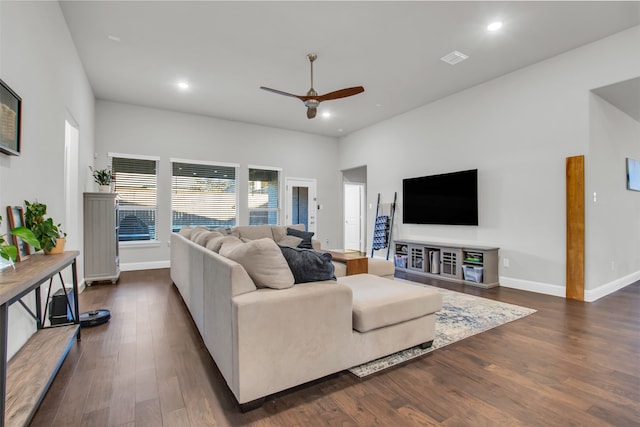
266	340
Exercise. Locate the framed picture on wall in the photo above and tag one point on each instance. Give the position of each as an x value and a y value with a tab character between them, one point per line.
10	112
16	219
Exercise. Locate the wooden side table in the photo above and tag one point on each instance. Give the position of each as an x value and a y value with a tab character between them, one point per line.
357	262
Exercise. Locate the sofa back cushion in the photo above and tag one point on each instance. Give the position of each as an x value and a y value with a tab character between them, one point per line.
254	232
203	238
217	242
264	262
280	231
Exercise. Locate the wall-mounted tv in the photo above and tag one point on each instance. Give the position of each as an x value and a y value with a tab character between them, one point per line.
10	110
633	174
449	198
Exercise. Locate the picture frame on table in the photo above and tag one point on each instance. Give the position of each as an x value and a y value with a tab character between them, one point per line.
16	219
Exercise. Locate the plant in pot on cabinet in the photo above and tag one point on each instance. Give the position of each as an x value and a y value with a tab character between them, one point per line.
49	235
103	177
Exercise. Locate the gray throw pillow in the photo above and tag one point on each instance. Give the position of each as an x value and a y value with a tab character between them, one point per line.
308	265
304	235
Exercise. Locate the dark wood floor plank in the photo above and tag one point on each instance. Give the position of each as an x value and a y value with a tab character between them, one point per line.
571	363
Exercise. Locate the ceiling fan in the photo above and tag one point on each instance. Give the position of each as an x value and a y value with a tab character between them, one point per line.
312	99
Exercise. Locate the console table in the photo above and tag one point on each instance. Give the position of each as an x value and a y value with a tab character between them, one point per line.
25	379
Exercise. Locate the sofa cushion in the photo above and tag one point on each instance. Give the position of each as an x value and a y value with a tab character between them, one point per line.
308	265
227	231
185	231
203	238
196	231
380	302
279	231
254	232
216	243
264	262
304	235
290	241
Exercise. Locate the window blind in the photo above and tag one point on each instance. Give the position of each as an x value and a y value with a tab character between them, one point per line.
135	181
203	194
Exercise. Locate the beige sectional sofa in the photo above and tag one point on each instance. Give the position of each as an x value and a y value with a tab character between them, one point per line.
266	340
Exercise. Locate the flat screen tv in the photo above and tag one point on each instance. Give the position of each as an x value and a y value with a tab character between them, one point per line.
448	198
633	174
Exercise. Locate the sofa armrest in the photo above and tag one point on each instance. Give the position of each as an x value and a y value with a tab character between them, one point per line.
290	336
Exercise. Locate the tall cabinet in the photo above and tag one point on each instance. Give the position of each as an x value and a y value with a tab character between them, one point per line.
101	235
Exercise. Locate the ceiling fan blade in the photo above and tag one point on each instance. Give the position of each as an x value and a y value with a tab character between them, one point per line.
311	112
342	93
279	92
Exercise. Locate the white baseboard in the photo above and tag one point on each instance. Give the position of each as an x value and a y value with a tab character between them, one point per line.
151	265
538	287
591	295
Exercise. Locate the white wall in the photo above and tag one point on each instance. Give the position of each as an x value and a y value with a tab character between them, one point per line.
613	219
39	62
517	131
128	129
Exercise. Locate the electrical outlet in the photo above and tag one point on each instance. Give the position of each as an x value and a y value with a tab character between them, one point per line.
613	266
505	262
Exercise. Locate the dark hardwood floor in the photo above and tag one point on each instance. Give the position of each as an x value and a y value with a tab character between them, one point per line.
569	364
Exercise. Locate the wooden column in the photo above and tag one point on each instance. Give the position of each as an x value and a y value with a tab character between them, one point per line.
575	227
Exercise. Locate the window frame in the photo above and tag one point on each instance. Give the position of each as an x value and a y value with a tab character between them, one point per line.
279	209
138	243
236	166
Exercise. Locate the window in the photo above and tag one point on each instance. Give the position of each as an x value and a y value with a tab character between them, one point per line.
136	182
264	196
203	194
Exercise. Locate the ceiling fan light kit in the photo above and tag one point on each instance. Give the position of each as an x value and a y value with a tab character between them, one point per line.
311	100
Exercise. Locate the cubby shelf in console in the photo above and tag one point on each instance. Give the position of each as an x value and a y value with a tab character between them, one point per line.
472	265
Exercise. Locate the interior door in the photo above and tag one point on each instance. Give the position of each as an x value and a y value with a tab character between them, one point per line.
353	211
301	202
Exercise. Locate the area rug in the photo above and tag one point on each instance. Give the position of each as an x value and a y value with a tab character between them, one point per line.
461	316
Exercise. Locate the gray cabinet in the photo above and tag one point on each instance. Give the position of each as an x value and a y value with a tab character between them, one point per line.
101	251
473	265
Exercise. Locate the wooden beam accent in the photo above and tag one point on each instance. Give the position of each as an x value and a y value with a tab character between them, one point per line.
575	228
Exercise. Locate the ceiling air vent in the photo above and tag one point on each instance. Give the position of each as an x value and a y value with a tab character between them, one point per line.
454	57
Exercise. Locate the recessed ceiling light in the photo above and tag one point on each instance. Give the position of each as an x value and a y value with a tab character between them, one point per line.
378	105
494	26
113	38
326	114
183	85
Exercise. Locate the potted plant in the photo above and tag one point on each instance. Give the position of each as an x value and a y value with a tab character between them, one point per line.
49	235
103	177
10	252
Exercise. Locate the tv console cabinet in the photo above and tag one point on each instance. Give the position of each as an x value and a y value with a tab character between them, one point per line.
471	265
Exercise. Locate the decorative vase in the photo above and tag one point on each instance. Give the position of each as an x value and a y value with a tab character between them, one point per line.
104	188
58	248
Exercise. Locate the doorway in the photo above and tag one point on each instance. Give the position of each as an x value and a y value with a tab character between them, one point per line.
301	202
354	210
71	192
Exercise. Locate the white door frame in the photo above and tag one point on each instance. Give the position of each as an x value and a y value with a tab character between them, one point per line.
361	219
310	183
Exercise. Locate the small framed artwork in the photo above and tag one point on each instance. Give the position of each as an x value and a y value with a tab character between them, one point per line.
16	219
10	112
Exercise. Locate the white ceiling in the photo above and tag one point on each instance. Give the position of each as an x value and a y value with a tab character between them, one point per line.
227	50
